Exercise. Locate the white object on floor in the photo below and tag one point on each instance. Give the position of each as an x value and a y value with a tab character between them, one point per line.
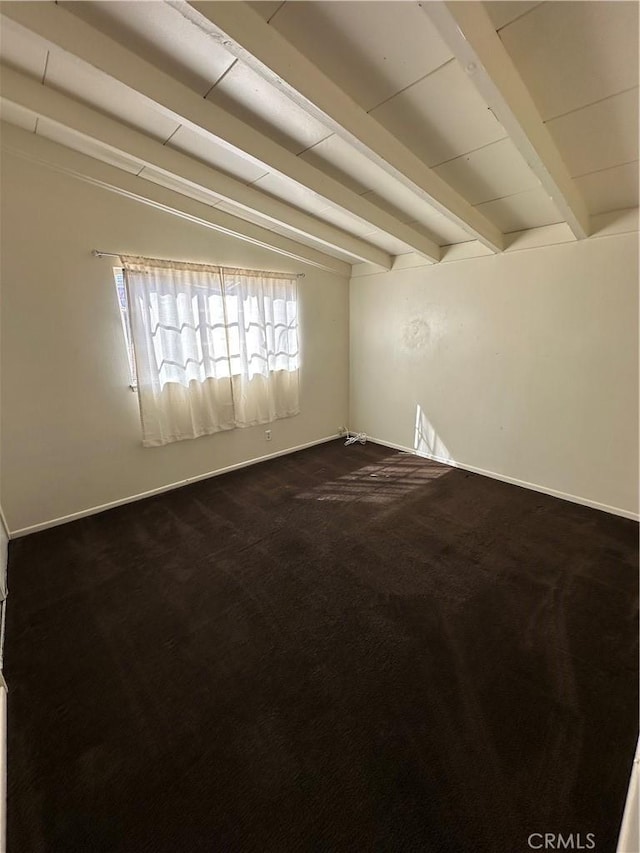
356	436
629	840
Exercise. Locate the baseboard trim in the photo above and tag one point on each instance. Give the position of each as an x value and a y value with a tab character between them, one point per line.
94	510
576	499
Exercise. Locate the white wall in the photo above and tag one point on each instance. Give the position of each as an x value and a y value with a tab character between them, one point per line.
524	365
71	430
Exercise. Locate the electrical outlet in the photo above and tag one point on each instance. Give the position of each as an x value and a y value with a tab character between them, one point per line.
267	435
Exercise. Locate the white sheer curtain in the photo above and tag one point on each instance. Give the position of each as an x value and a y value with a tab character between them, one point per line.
215	348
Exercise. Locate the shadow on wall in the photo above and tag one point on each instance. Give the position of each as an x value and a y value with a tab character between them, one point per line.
426	440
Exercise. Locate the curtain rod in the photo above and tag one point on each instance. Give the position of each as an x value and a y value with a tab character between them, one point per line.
97	253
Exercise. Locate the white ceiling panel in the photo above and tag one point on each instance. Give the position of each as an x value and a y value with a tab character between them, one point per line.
341	161
82	81
495	171
503	12
249	215
409	208
252	216
14	114
347	221
64	136
245	94
356	171
292	192
530	209
178	186
388	243
371	50
599	136
610	189
440	117
161	35
215	154
444	232
22	50
314	244
571	54
266	8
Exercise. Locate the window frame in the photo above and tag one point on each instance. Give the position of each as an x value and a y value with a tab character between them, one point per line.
125	317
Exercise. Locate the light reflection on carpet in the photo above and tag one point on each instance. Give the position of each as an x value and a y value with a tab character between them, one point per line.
384	482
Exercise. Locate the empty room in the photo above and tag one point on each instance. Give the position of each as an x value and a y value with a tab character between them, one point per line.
319	426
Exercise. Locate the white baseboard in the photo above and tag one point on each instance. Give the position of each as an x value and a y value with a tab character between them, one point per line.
576	499
54	522
94	510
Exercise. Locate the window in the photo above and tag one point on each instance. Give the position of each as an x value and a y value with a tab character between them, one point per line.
214	348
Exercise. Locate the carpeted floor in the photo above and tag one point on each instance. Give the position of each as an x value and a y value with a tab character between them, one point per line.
345	649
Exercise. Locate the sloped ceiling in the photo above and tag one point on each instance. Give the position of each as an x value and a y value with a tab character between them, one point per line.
338	132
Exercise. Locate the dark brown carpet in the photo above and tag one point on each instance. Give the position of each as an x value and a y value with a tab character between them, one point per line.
345	649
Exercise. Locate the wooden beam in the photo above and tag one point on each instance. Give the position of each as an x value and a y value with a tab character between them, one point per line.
467	29
48	103
64	30
245	34
59	158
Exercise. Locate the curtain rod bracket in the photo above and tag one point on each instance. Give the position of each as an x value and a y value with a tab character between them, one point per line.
98	254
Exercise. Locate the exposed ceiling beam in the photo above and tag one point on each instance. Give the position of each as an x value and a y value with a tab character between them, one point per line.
37	149
55	106
245	34
468	31
62	29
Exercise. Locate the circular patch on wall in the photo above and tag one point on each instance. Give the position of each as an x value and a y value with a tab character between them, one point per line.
416	333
